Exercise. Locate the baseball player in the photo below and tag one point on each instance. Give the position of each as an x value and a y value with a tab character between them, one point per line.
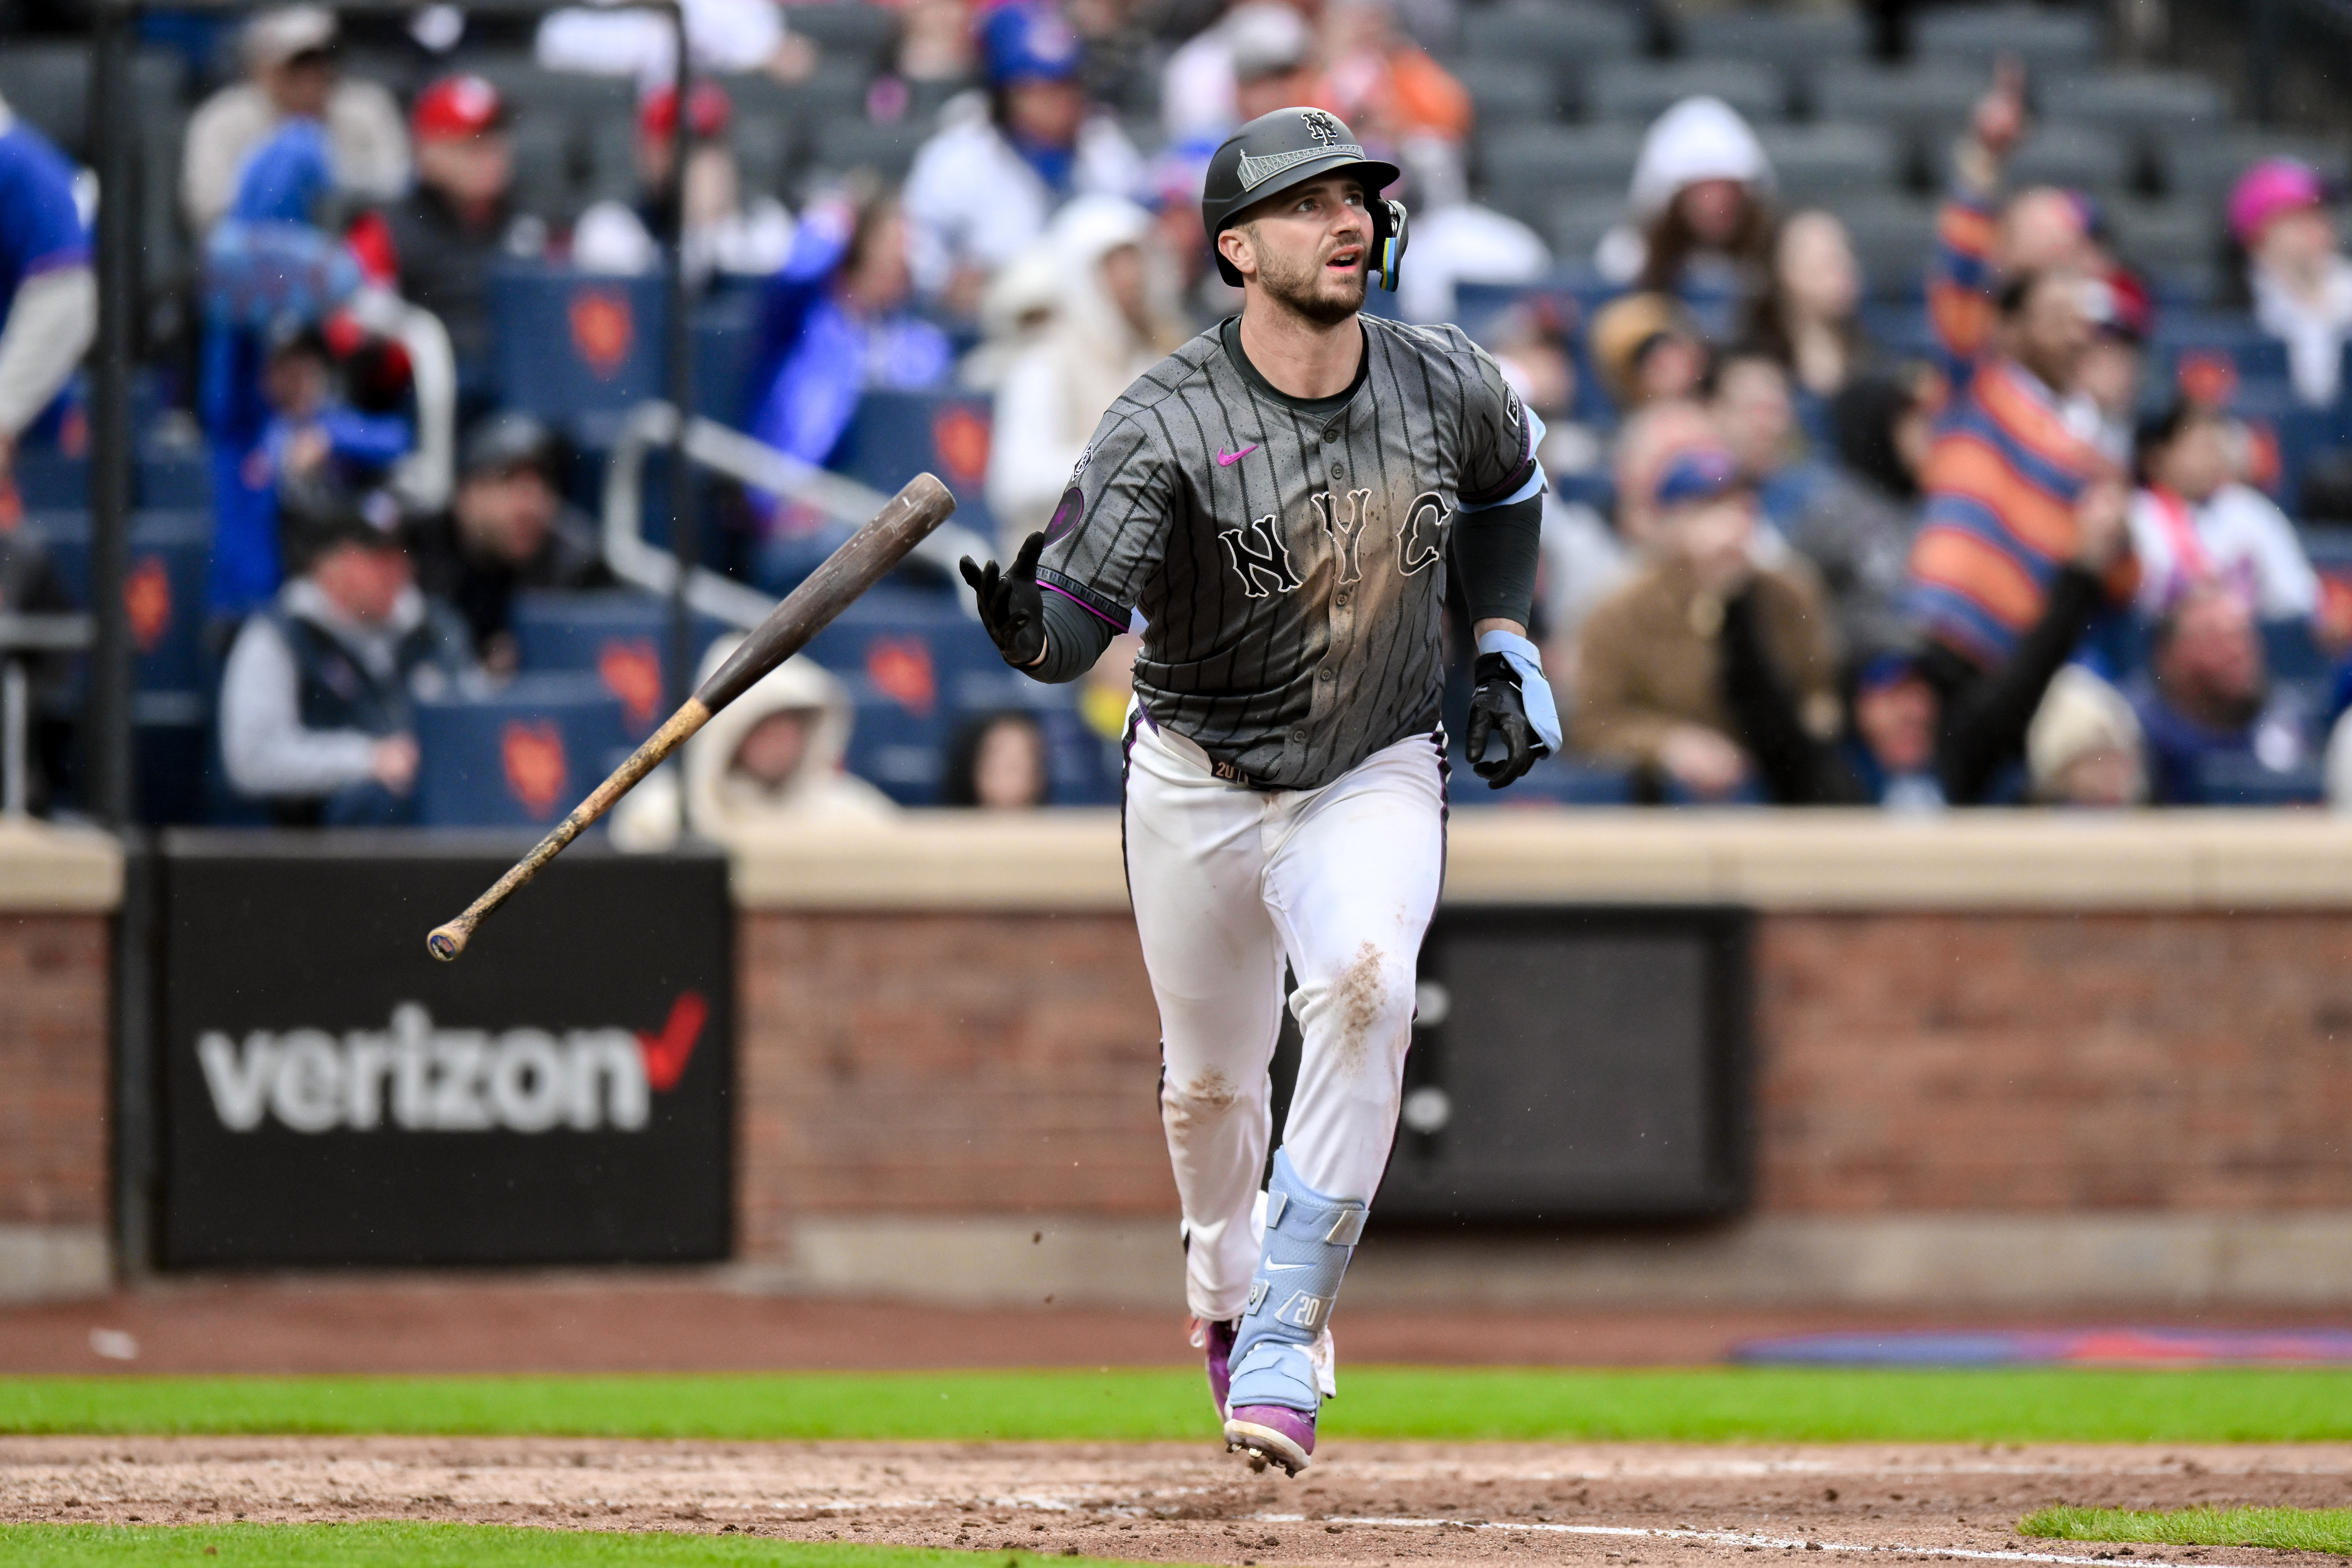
1280	502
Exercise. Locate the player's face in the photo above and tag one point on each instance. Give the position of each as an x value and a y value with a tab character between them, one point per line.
1311	249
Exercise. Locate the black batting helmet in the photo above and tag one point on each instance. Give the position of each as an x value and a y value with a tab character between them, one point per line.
1286	148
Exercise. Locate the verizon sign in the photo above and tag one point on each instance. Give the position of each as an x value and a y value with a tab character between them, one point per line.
417	1077
331	1095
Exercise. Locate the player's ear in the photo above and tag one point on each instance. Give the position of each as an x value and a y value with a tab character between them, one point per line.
1234	244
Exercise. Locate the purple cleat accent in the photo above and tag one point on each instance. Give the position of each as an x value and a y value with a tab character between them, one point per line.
1271	1435
1215	1341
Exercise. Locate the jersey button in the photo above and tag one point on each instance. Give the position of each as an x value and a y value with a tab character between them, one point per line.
1324	674
1299	737
1341	600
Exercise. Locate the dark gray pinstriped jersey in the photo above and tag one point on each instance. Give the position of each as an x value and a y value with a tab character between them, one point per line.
1292	568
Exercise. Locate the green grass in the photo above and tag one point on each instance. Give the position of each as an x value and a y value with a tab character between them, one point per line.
2295	1529
1714	1405
410	1545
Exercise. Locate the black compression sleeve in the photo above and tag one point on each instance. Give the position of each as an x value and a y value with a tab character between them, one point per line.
1074	637
1495	550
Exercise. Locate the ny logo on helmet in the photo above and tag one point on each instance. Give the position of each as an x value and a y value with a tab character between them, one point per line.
1320	126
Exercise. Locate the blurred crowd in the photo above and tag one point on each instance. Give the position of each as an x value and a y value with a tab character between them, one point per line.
1784	561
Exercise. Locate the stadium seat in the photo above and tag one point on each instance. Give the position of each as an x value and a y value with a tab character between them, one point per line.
164	593
1509	93
848	32
723	342
1830	162
2200	170
893	436
1577	227
570	345
844	145
2079	157
1641	91
1565	34
2046	38
620	636
766	150
1893	236
1529	170
1928	96
574	98
2173	240
2162	105
546	180
519	759
1799	44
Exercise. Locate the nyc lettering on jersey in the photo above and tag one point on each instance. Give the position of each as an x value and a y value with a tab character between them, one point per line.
1259	556
415	1077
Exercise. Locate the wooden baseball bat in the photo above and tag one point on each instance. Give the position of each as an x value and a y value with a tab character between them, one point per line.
861	561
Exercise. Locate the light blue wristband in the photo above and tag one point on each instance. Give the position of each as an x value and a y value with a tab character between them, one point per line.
1534	691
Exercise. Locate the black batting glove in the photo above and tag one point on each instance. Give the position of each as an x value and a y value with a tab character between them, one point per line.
1012	607
1498	712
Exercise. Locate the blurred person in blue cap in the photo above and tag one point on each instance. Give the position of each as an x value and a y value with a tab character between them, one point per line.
984	187
1892	747
317	699
1714	676
48	296
834	322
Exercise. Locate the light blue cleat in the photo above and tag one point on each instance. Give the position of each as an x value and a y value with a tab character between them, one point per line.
1276	1391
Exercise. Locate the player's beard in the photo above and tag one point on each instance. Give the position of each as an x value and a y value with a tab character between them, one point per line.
1307	289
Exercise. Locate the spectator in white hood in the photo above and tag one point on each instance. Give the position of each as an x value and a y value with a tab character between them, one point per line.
770	760
1699	211
1114	321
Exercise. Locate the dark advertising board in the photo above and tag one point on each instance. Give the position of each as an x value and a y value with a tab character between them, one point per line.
1577	1064
328	1094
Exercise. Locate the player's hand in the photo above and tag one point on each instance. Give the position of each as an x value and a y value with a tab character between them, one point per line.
1498	712
1012	607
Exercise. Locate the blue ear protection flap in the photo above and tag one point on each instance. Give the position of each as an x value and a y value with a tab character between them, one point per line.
1388	241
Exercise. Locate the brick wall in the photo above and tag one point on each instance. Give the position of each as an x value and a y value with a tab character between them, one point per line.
946	1063
2029	1063
53	1010
2036	1062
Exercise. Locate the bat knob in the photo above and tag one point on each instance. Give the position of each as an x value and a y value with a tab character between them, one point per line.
445	942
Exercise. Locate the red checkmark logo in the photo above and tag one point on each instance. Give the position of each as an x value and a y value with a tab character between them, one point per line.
667	1054
1228	459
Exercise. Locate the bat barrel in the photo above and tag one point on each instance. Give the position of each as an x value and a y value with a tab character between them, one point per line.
857	565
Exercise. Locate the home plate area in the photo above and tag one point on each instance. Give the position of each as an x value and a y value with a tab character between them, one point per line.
1364	1502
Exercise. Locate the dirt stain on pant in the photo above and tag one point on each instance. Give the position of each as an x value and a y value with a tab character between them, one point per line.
1360	1000
1205	1099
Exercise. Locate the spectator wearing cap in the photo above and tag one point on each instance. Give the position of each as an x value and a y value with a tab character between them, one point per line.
834	322
48	298
983	189
2300	282
1646	350
507	527
1713	675
317	701
291	73
2025	539
1113	320
725	231
724	38
1257	58
1890	749
438	244
1699	209
2219	732
2084	747
2192	522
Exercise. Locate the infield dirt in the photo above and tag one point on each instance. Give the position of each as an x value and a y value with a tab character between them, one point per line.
1364	1503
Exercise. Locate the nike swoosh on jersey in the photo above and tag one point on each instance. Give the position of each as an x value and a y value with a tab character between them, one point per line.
1228	459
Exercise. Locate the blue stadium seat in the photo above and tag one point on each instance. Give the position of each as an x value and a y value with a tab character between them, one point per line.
521	759
723	332
620	636
51	481
576	349
165	592
893	436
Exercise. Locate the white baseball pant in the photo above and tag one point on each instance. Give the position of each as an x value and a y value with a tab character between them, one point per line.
1228	882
